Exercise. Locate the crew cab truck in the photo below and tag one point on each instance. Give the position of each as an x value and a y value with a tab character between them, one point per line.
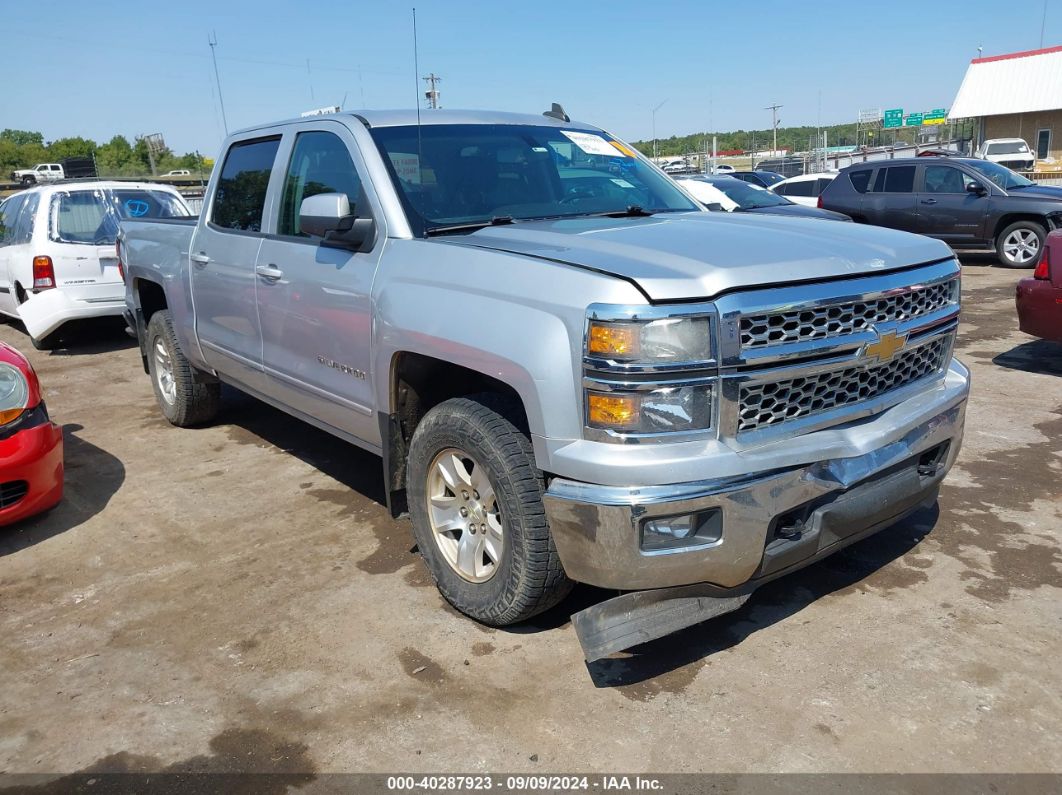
570	371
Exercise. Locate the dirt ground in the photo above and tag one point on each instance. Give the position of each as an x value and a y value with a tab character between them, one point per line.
237	598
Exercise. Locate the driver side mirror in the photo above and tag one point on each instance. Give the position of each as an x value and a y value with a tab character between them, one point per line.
330	217
977	189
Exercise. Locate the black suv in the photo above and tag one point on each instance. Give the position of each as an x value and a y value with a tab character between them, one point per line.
967	203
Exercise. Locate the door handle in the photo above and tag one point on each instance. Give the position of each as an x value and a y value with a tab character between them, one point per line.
269	272
929	201
199	259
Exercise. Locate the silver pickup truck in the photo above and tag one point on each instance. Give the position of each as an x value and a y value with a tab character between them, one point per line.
571	371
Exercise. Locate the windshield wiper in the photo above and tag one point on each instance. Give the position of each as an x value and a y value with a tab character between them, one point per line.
498	220
632	211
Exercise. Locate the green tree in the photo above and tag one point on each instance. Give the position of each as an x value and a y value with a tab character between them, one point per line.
22	137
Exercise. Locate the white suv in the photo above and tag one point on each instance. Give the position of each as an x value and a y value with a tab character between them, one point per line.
57	254
1013	153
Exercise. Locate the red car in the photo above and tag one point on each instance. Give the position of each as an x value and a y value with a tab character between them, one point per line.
1039	297
31	445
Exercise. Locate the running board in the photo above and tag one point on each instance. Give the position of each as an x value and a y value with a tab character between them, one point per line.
641	616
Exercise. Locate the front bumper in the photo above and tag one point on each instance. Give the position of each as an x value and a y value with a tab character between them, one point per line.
597	529
31	469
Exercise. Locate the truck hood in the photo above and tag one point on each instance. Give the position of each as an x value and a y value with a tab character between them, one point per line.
674	256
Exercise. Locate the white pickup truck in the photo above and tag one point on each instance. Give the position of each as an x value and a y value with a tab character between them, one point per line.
42	172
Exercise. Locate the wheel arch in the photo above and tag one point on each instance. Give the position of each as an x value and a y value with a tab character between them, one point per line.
417	381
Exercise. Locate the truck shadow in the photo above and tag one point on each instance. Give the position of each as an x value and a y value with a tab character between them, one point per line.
1037	356
255	422
92	477
774	602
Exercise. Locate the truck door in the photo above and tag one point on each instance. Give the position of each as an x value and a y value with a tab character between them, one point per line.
891	199
313	300
946	209
222	258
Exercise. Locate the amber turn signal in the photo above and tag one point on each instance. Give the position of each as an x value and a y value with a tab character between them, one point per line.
608	339
612	411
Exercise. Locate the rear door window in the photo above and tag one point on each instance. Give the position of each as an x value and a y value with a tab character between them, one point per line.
805	187
8	218
860	179
895	179
239	200
23	232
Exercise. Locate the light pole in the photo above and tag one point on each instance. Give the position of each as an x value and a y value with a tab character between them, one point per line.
658	107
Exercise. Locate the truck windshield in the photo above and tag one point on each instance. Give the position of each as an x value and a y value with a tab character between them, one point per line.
92	216
460	175
1008	148
1001	175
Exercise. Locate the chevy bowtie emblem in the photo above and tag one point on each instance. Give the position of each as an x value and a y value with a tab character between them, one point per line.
885	347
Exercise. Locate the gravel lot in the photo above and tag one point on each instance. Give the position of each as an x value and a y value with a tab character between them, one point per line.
237	598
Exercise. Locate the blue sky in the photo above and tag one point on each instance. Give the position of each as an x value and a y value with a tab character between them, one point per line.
95	69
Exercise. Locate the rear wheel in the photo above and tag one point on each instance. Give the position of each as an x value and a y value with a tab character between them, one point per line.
185	399
1019	245
475	497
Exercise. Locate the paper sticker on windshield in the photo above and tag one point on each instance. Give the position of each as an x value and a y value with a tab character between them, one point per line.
592	144
622	183
407	166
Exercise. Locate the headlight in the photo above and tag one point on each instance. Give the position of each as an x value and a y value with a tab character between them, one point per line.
661	409
669	340
14	393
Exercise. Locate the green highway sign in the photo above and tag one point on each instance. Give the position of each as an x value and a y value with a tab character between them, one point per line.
913	120
893	118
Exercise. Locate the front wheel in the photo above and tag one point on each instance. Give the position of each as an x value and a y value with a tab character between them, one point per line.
475	497
1019	245
185	400
27	181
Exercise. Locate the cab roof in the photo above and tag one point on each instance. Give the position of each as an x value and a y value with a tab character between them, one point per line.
399	118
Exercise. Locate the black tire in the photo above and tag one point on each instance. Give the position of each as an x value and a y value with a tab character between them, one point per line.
529	577
27	181
195	401
1031	226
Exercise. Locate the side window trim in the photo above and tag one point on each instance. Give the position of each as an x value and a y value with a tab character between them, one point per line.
268	210
287	149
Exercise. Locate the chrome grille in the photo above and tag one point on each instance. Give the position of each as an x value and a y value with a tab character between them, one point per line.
769	404
834	320
12	491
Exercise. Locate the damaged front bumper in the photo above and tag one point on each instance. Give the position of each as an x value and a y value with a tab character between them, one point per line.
772	522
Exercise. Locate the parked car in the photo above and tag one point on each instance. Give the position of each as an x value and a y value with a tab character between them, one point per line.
762	178
722	168
564	385
57	257
804	189
677	168
31	445
967	203
180	172
1012	153
69	168
733	195
1039	297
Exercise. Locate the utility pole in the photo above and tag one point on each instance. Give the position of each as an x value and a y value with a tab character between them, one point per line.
658	107
1043	23
212	40
432	94
774	125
